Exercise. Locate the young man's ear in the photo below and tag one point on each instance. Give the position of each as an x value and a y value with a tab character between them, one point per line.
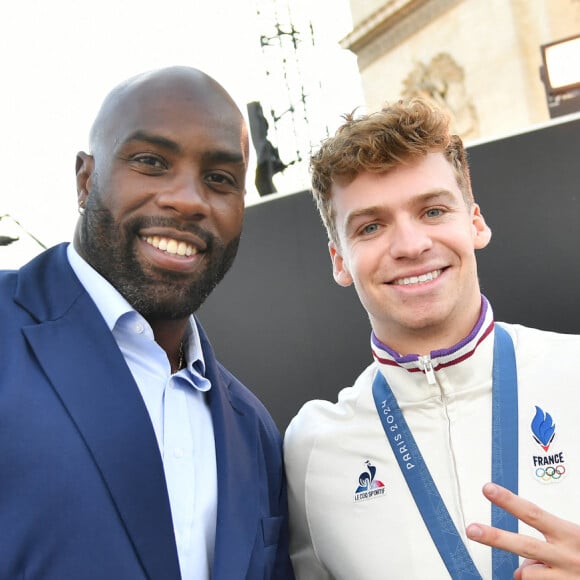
482	232
85	165
339	270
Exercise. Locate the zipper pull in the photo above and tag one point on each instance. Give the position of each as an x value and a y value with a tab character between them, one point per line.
427	366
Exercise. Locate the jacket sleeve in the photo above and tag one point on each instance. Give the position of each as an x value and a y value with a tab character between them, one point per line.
283	569
298	442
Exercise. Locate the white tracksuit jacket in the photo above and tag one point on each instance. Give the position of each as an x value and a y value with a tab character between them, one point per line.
337	533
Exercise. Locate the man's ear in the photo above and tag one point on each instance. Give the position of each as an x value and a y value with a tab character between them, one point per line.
482	232
85	165
339	270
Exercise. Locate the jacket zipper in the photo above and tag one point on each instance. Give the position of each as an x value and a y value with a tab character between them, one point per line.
427	367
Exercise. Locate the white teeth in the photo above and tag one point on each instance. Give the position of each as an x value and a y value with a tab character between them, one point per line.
171	246
418	279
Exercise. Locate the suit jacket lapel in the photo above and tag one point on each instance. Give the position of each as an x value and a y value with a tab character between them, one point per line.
88	372
236	441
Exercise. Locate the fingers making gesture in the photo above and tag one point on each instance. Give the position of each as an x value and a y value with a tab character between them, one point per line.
557	556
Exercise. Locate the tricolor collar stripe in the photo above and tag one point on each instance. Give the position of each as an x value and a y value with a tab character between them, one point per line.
442	358
441	364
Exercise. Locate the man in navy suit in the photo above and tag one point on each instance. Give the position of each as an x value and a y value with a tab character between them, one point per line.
126	450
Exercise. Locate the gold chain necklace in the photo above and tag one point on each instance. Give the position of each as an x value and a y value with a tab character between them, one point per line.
180	360
180	365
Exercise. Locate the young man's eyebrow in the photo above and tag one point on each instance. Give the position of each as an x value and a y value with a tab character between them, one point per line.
362	213
375	210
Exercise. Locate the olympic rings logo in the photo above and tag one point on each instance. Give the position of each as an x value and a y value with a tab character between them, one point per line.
550	472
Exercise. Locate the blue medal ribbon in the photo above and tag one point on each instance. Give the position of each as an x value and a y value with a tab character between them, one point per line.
504	465
504	453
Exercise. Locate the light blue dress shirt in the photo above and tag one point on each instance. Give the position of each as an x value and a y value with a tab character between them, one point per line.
180	416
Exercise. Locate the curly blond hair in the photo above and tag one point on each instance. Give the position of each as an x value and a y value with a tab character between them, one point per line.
398	134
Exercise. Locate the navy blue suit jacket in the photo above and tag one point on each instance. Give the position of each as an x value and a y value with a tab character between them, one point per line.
82	488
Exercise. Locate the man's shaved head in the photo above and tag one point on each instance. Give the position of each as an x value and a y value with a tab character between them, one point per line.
162	190
129	98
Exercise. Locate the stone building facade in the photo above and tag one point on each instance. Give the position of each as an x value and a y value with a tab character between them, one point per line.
479	58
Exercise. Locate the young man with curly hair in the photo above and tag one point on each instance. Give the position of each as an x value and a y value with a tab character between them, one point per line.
386	483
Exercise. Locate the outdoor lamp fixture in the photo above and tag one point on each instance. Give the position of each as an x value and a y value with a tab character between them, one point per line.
560	73
7	240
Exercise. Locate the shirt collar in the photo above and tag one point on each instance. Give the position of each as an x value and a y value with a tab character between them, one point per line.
112	306
455	354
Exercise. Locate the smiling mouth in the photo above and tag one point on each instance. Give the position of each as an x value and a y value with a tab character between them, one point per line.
171	246
417	279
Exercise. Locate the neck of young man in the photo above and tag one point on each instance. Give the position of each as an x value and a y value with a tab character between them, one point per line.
426	339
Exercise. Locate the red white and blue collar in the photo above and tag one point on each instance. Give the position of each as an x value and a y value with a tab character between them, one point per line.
443	358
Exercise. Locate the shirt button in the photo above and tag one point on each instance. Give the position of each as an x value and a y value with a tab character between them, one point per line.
139	328
178	452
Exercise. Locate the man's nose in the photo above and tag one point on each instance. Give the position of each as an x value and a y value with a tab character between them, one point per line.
186	195
409	239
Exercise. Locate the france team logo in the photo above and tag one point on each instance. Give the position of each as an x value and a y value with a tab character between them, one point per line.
543	429
548	467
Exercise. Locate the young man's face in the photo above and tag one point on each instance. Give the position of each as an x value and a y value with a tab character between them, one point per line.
407	241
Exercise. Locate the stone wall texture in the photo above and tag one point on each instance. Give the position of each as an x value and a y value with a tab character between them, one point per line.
479	58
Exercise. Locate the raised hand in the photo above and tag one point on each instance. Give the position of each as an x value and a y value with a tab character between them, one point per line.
557	557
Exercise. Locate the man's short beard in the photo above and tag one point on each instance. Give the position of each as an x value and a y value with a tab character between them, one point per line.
156	294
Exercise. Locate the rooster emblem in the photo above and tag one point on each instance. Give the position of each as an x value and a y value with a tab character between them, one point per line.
366	479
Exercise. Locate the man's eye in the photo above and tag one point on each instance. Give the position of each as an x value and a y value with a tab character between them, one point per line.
220	179
370	229
150	160
434	212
